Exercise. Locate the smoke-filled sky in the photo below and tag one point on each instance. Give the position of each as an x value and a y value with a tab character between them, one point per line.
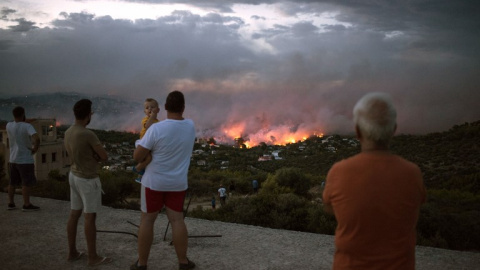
261	69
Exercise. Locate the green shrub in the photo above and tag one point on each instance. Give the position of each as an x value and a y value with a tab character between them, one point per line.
289	212
55	175
450	219
118	187
319	221
201	187
55	189
284	211
287	180
207	214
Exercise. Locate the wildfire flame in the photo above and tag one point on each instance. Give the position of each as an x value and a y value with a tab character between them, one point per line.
238	134
278	135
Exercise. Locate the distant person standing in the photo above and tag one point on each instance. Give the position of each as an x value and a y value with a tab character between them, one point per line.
213	203
151	110
166	180
23	143
255	186
222	193
375	195
85	151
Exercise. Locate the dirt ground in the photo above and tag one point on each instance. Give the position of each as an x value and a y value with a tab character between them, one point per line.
37	240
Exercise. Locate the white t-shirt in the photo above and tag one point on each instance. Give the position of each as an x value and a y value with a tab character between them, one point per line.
223	192
20	139
171	143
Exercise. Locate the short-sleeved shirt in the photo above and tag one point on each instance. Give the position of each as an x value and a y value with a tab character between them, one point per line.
79	142
144	129
376	199
223	192
20	140
171	144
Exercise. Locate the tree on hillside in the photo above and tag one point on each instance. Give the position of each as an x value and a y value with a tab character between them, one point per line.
287	180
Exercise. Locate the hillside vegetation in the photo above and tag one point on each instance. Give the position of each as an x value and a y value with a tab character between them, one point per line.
291	187
449	160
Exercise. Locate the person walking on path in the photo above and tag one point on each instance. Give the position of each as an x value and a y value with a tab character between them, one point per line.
213	203
255	186
85	151
23	142
165	182
222	193
374	195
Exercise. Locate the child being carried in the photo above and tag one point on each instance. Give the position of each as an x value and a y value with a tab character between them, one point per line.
151	110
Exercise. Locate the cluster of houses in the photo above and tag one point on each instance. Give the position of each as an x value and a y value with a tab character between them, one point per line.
52	155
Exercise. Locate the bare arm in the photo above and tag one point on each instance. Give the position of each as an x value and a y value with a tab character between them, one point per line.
152	119
101	152
35	143
140	153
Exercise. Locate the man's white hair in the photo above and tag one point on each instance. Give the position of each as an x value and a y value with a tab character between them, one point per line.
375	116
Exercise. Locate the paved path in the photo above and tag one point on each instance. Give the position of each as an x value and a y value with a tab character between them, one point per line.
37	240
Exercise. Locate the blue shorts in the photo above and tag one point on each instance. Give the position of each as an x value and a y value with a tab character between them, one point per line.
22	174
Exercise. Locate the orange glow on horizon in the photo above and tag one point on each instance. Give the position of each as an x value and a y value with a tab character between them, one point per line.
278	135
237	135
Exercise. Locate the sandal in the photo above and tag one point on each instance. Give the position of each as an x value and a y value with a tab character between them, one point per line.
78	257
186	266
104	260
135	266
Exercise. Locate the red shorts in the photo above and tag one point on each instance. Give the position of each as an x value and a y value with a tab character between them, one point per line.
153	200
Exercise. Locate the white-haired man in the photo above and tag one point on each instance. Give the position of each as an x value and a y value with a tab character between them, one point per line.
374	195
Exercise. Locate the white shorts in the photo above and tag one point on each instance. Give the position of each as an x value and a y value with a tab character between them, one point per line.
85	193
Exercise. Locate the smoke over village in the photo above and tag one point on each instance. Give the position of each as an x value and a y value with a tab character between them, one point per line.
121	115
273	71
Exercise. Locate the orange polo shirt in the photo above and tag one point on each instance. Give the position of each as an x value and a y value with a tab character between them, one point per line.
376	197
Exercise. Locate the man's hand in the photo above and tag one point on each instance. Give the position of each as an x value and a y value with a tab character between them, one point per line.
35	143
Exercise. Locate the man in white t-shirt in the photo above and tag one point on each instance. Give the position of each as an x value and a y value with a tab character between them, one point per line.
164	182
23	142
222	193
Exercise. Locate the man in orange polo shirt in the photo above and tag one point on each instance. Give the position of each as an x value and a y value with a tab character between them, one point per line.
374	195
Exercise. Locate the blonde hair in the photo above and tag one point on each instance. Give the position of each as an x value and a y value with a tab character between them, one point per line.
151	100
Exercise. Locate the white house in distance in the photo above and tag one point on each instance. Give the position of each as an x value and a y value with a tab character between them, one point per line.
51	154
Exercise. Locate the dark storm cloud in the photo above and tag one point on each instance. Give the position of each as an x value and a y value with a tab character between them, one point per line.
4	12
23	26
303	75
